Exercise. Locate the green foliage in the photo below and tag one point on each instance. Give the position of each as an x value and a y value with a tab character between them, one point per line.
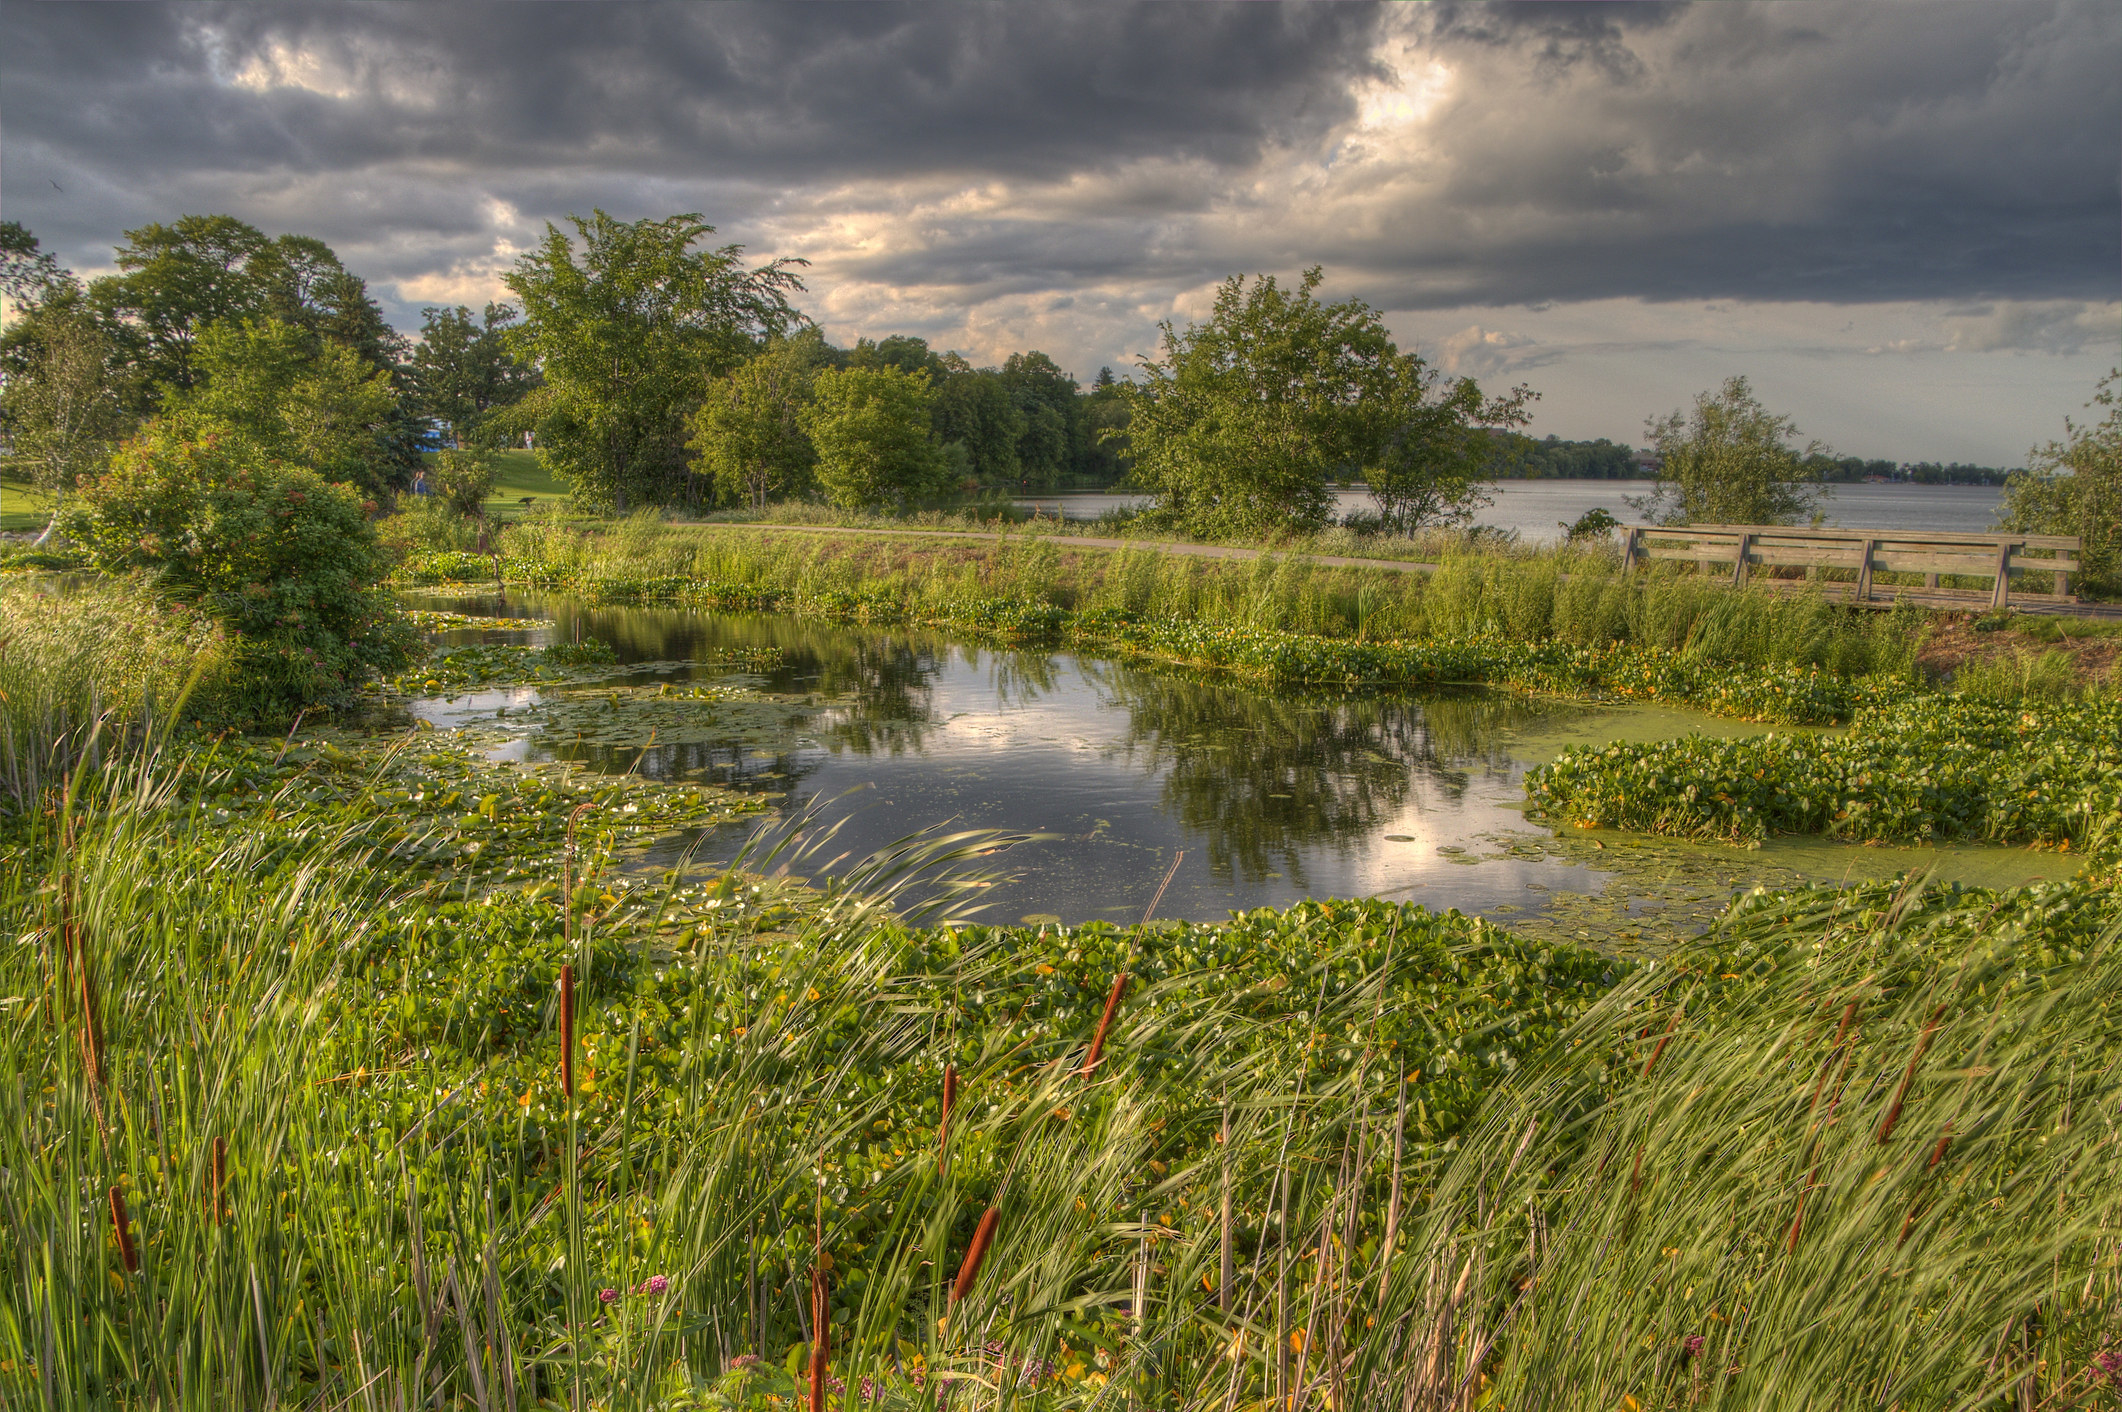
2074	486
973	409
748	433
1247	417
298	398
1917	767
462	373
66	398
1595	523
628	339
91	667
287	562
462	481
177	280
1730	462
870	428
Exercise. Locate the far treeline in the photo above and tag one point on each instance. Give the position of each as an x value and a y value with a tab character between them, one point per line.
652	369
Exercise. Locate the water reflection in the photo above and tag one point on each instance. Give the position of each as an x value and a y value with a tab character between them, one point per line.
1275	796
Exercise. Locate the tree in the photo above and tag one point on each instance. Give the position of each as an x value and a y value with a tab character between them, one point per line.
462	371
2074	486
1437	446
871	430
25	271
1101	418
312	403
65	396
1731	463
627	340
1048	446
748	433
1245	419
973	409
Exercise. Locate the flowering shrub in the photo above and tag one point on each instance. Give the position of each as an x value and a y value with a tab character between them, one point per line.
284	560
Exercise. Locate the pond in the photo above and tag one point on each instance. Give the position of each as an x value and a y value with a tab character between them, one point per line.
1272	795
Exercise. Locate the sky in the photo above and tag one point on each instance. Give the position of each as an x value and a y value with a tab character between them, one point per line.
1902	221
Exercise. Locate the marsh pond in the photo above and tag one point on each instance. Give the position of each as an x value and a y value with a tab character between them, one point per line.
1273	795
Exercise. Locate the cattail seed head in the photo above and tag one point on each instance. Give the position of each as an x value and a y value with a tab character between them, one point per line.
124	1228
950	1098
217	1181
1105	1023
975	1254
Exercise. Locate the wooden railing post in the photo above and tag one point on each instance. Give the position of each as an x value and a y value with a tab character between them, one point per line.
1864	571
1628	550
1738	568
2000	596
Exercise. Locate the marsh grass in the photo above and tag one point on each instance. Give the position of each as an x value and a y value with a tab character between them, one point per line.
324	1207
1576	596
88	667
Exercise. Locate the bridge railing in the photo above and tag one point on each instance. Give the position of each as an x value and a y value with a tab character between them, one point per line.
1873	566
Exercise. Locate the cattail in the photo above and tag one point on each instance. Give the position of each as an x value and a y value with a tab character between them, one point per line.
1849	1013
124	1228
1937	1154
821	1336
1105	1022
1893	1114
974	1254
1663	1039
567	1031
216	1180
950	1096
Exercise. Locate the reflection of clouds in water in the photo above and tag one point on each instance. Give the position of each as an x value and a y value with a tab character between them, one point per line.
1275	796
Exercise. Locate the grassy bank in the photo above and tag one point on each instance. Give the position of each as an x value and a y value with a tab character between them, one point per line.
1352	1153
95	668
1554	623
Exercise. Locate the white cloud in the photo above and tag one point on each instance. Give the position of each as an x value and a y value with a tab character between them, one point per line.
2044	326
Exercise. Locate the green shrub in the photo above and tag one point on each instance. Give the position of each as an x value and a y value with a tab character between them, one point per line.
287	562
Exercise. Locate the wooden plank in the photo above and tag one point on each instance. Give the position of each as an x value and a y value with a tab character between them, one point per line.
2001	595
1854	536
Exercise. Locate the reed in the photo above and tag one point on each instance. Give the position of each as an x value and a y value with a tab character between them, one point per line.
424	1212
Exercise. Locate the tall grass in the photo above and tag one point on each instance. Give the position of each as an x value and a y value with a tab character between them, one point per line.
1874	1164
1574	596
88	666
329	1099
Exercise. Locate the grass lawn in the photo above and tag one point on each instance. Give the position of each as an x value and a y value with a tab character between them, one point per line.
519	478
22	506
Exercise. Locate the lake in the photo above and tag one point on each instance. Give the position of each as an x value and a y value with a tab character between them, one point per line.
1272	795
1536	509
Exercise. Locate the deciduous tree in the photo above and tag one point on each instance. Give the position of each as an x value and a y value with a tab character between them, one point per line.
1247	417
628	330
2074	486
1731	462
871	428
748	434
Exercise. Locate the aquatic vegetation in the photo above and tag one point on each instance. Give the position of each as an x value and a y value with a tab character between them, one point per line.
1260	644
1916	767
1317	1143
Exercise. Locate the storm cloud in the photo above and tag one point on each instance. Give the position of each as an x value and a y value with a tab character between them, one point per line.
1003	176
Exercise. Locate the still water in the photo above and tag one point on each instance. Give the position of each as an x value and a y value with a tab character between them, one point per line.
1536	509
1273	796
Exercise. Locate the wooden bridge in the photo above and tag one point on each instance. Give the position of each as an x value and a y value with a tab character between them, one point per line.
2029	572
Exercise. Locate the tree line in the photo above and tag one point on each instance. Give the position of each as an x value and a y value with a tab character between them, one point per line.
651	367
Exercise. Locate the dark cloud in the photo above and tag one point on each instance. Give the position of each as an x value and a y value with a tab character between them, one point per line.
1842	153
